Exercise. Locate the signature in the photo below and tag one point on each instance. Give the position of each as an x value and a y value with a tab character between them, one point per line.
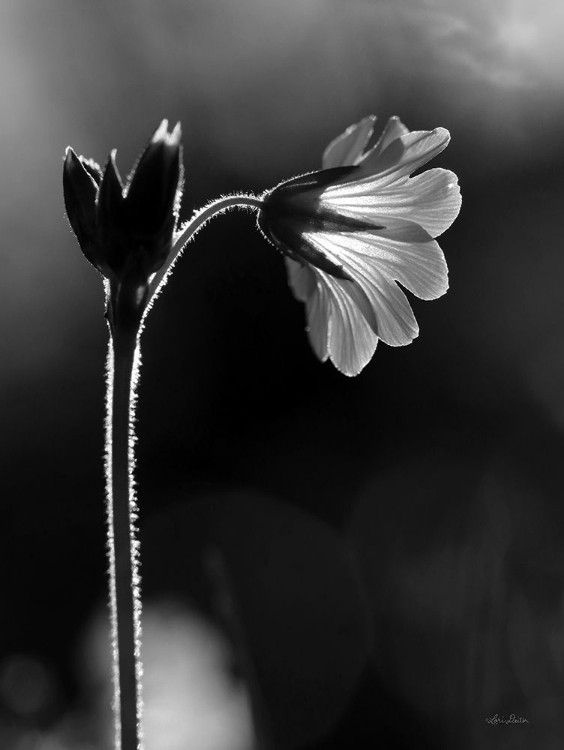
502	720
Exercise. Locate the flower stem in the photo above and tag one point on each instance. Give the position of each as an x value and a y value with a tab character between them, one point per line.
200	217
216	207
123	548
125	601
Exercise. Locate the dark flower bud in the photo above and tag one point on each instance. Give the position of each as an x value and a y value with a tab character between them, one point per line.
80	192
115	241
126	230
152	193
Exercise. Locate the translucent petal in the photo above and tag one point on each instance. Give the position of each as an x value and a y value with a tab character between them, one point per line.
419	266
317	312
348	312
394	129
395	322
348	148
351	341
402	156
301	279
431	199
306	288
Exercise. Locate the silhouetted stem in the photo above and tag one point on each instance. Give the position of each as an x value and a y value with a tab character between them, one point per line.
125	603
187	232
123	548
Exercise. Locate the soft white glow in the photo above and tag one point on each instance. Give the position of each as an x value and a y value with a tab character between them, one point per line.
190	697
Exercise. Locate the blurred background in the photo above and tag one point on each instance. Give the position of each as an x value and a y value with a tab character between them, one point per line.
326	560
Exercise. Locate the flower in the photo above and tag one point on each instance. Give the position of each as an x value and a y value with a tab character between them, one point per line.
126	231
351	231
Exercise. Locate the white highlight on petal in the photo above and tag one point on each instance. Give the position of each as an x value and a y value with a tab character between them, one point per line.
393	130
404	155
394	321
346	318
349	147
431	199
351	341
418	266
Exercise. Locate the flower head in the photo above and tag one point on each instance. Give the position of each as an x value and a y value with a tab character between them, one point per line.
351	231
126	229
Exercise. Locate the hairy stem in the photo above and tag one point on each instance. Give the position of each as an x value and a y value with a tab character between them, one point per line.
199	218
123	548
125	602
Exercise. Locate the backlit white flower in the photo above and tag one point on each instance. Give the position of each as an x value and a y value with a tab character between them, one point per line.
352	230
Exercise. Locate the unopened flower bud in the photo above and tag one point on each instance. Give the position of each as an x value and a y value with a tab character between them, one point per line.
80	191
126	230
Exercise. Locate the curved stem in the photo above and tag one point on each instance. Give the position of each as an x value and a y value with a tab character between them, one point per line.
197	221
125	602
123	548
206	213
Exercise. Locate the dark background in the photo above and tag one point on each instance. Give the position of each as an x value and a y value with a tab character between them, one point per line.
392	543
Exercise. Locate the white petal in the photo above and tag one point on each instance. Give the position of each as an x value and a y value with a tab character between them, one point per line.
348	148
351	340
395	322
307	288
431	199
301	279
336	324
394	129
403	155
317	312
418	266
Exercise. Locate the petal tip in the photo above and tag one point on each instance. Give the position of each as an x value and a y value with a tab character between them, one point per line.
176	135
161	132
443	134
